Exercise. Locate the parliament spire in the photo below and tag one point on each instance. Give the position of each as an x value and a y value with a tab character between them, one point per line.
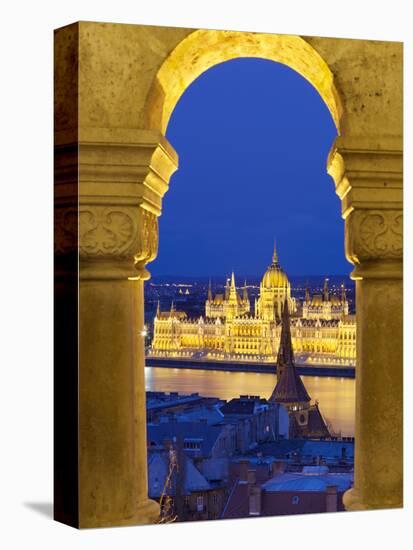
275	255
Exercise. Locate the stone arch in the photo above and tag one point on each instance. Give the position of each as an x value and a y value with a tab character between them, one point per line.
202	49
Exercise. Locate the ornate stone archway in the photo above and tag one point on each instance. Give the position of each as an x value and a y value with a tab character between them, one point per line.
202	49
115	88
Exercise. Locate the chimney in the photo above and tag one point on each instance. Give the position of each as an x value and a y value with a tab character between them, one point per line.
251	477
254	501
278	468
243	470
331	498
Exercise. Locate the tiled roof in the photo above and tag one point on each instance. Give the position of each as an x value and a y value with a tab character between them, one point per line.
218	299
211	415
158	469
170	314
290	387
304	482
207	434
242	406
306	448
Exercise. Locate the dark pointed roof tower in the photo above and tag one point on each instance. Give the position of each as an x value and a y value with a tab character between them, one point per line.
289	388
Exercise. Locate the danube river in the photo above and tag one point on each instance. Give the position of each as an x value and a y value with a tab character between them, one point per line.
336	396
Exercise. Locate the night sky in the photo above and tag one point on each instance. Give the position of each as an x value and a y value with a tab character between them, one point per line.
253	138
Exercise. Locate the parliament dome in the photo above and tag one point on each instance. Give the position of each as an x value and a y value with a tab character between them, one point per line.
274	277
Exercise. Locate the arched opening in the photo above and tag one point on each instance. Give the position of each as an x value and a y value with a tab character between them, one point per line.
253	139
203	49
160	115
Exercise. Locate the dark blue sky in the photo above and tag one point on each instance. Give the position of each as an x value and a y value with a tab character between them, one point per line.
253	138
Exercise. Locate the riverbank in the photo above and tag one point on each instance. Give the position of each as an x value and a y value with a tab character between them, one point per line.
336	396
232	366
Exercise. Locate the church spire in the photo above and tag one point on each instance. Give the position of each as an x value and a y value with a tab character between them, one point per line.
158	310
289	389
172	306
285	351
209	291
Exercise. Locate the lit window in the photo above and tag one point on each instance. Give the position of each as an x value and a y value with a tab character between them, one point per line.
200	503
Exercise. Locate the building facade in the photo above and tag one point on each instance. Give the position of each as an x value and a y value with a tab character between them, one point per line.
234	329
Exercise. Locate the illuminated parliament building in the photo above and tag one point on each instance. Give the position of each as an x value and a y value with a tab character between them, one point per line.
322	330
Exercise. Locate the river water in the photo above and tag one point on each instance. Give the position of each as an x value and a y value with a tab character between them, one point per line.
336	396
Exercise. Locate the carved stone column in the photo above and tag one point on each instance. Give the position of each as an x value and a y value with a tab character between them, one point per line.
369	179
123	175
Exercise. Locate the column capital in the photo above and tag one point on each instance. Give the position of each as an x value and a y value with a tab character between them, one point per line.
368	176
123	175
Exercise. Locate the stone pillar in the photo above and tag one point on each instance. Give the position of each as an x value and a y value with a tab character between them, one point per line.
369	177
123	175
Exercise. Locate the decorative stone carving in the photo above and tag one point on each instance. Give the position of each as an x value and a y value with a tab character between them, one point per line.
109	233
375	235
106	231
